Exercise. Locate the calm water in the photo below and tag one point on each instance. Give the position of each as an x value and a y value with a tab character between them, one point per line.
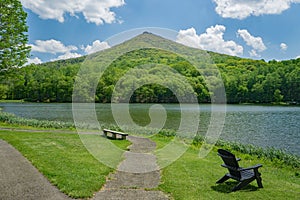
265	126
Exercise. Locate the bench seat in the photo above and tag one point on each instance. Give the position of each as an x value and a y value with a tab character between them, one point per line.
114	134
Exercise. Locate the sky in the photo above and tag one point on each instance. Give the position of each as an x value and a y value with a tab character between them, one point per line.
256	29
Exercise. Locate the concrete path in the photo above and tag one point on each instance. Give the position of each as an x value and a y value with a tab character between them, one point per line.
20	180
137	172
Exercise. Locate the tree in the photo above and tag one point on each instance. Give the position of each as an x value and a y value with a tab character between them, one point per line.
13	39
3	91
277	96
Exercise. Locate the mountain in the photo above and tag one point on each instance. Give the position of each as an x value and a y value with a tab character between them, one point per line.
151	68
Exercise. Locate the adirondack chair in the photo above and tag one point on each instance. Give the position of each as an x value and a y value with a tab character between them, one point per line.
243	175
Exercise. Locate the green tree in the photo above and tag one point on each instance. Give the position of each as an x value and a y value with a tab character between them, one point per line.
13	39
277	96
3	91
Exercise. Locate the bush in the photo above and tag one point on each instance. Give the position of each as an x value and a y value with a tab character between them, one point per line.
3	91
270	153
13	119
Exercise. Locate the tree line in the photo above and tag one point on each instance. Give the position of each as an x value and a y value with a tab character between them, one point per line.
245	80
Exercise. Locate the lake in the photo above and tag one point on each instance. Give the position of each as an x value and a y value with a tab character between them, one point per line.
265	126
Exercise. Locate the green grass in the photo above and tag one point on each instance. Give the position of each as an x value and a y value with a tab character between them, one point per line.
193	178
9	118
11	101
122	144
277	156
63	159
160	140
17	127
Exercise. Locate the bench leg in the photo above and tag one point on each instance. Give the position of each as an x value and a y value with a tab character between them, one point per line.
114	136
123	137
105	133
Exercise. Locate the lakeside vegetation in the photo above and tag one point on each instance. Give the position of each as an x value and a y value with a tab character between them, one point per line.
64	160
12	119
192	178
245	80
276	155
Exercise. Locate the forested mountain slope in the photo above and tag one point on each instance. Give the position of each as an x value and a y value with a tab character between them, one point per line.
245	80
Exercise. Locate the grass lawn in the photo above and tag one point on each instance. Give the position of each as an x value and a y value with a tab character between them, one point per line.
63	159
193	178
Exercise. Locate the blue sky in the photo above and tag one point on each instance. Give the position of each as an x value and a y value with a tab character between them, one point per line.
258	29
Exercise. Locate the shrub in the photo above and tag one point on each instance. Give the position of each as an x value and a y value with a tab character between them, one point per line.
270	153
13	119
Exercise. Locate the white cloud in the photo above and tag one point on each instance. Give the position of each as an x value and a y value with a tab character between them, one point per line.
255	42
188	37
96	46
211	40
55	47
35	60
96	11
254	53
51	46
67	56
283	46
240	9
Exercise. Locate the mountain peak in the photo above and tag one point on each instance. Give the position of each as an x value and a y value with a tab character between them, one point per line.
146	32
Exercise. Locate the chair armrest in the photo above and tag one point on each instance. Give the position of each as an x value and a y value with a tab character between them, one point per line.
231	168
252	167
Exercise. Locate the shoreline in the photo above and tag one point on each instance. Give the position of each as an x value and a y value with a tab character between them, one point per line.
296	104
14	123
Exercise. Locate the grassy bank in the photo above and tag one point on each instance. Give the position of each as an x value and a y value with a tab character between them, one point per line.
11	101
11	119
63	159
190	177
277	156
193	178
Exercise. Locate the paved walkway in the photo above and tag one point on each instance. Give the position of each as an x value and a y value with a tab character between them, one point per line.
137	172
19	179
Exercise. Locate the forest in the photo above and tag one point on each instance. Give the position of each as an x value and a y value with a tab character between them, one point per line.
245	80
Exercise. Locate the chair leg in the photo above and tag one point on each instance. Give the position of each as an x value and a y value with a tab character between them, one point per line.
258	178
223	179
259	182
242	184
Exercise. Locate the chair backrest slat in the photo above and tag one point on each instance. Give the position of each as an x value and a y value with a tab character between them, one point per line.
230	161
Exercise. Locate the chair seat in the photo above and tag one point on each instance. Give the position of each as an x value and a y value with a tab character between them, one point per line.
247	174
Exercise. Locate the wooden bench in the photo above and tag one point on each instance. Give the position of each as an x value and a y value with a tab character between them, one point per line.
114	134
